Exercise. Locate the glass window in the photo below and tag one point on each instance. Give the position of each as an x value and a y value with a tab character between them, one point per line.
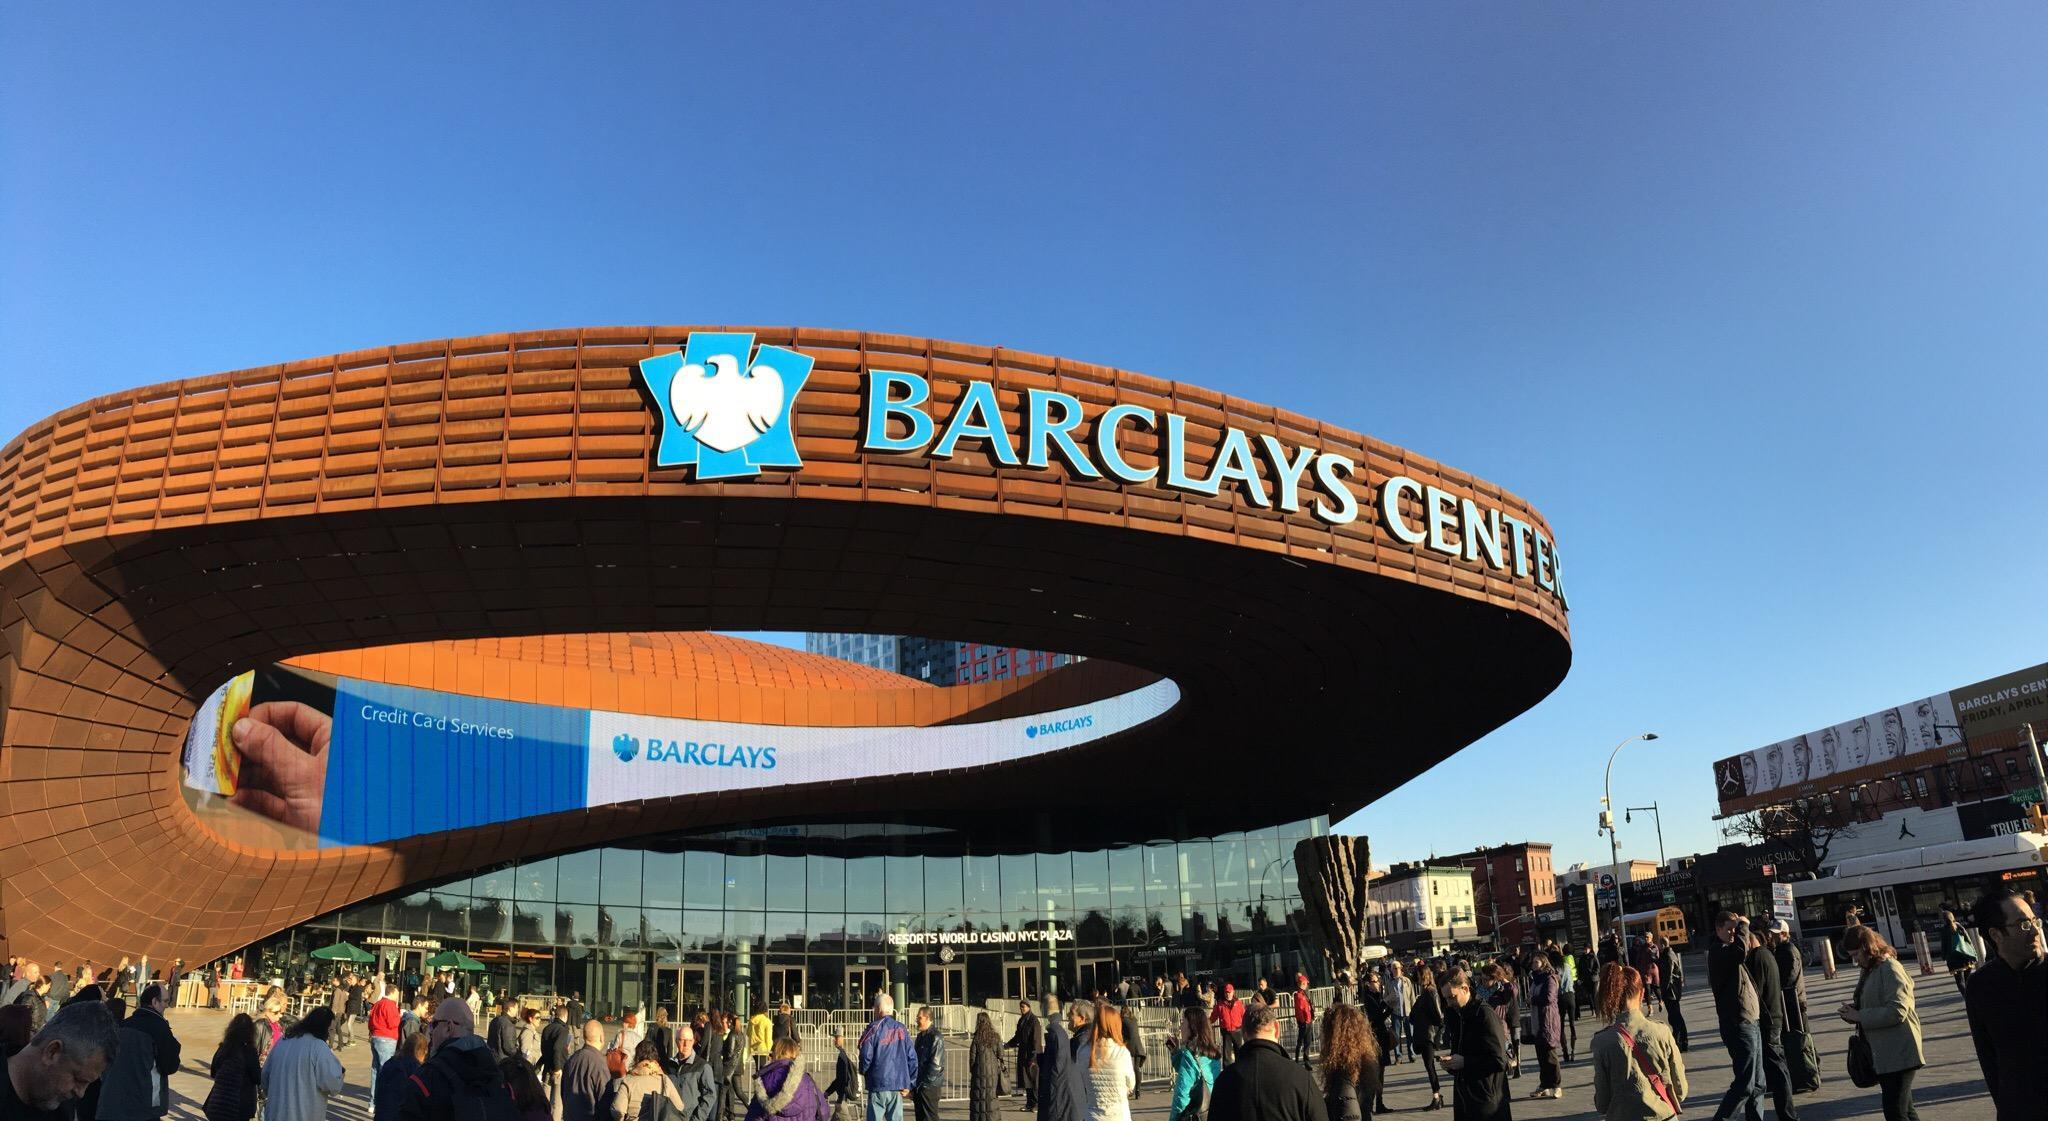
704	880
786	883
1020	887
1127	878
703	930
864	884
825	878
942	894
1197	872
1091	883
661	880
664	927
448	915
535	881
981	885
575	924
1231	878
788	931
618	926
494	884
577	877
490	920
1056	886
1162	879
746	883
621	882
746	928
904	897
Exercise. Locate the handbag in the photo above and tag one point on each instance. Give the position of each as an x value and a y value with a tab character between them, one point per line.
1656	1081
1862	1066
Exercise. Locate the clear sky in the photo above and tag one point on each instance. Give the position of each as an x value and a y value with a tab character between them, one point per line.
1750	300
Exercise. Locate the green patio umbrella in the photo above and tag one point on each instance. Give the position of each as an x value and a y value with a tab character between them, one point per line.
342	951
455	959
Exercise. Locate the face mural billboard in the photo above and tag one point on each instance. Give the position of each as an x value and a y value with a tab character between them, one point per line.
293	758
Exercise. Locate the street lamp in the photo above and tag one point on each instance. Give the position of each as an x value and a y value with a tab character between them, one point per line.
1607	823
1628	816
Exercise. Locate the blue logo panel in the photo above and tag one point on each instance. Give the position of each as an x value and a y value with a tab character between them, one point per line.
721	413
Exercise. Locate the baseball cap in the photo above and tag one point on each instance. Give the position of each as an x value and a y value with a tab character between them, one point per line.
1780	926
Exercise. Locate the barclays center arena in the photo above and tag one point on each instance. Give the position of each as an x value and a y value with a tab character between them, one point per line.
428	648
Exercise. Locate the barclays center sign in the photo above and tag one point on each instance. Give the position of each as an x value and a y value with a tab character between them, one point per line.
725	409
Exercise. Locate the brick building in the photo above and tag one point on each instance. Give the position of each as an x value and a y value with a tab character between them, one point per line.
1509	883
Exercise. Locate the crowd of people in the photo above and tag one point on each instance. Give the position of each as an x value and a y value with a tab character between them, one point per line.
104	1051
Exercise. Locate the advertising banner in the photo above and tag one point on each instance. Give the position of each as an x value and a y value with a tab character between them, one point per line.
1998	817
287	758
1881	744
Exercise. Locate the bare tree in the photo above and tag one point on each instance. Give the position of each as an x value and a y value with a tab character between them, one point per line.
1807	825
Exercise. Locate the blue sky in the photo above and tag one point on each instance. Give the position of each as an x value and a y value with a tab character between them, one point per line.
1750	300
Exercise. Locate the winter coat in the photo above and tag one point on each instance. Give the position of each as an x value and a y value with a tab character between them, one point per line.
782	1093
931	1059
1621	1088
664	1039
1482	1084
739	1074
2009	1023
584	1079
1543	996
237	1076
298	1078
1190	1067
461	1082
1425	1017
1111	1078
394	1078
1340	1097
888	1059
557	1043
760	1035
697	1081
1265	1085
1029	1040
1228	1015
1061	1096
1770	1000
384	1019
504	1036
136	1085
1884	996
984	1082
632	1088
1791	985
1735	996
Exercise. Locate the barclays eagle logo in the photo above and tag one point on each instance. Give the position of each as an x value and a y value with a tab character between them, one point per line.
625	747
721	414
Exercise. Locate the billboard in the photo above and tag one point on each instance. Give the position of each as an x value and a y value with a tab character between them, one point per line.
1880	744
288	758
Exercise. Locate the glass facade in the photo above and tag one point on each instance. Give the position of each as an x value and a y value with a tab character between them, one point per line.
824	915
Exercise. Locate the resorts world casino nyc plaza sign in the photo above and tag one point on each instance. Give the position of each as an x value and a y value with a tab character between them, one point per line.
725	410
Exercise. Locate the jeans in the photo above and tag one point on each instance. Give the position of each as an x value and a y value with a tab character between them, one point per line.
1304	1040
1896	1091
884	1105
381	1050
1745	1054
1401	1036
1776	1075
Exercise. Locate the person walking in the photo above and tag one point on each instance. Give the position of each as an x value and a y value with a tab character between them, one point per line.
1379	1015
1264	1084
302	1072
888	1062
1111	1076
1229	1017
845	1081
1134	1042
1882	1010
643	1079
585	1076
1196	1064
984	1071
696	1076
503	1033
387	1093
930	1048
1548	1028
738	1066
1061	1096
137	1086
1479	1056
1425	1026
1637	1072
1351	1065
760	1037
1028	1040
460	1081
782	1091
1802	1061
1736	1010
1671	971
557	1043
237	1073
663	1036
1400	997
1304	1024
1770	1025
1567	1001
384	1018
2008	1005
1957	952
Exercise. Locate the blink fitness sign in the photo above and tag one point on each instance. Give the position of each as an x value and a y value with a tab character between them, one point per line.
725	408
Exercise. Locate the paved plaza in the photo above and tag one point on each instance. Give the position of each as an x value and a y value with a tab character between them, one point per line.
1951	1088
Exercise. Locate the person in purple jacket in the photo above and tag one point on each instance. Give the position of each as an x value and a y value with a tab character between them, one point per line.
784	1093
888	1061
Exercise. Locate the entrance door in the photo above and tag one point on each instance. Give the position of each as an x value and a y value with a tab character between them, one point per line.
783	983
1020	980
1095	975
1884	915
684	990
863	982
945	984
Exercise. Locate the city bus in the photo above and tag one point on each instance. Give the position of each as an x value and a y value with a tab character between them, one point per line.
1903	891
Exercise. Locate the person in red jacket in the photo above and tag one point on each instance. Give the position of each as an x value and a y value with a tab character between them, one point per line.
1304	1020
384	1017
1229	1020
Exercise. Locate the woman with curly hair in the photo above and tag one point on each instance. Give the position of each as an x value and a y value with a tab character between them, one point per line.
1638	1074
1351	1064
